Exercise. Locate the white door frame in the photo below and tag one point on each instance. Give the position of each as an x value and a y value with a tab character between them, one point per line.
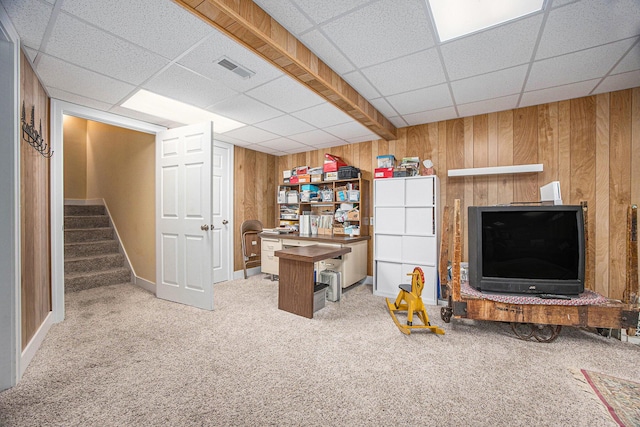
228	202
58	110
10	292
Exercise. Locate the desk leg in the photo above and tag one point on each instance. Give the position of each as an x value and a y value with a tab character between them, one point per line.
295	290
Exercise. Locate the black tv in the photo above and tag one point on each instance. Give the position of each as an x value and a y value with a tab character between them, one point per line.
527	249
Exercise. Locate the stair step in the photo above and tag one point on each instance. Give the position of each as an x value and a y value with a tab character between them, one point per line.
96	247
84	210
92	221
87	234
93	263
74	282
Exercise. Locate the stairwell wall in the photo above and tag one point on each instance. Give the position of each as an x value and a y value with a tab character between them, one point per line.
75	158
120	170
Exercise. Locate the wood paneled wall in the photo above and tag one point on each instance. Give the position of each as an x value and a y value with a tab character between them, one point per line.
34	210
591	145
254	193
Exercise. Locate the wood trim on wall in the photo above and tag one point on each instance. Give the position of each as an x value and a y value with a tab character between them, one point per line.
591	145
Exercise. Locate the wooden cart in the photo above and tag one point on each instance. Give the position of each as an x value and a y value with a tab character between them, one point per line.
537	321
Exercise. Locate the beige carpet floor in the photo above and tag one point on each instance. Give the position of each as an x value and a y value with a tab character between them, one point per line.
125	358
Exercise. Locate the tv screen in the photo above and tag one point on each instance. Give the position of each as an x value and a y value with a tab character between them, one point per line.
527	249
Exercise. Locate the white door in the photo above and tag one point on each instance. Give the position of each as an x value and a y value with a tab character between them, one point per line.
183	215
222	224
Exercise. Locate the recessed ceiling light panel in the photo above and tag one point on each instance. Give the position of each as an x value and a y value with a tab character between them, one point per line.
456	18
170	109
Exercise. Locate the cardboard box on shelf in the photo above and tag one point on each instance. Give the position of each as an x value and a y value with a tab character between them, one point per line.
316	178
353	215
304	178
293	179
286	174
330	176
332	163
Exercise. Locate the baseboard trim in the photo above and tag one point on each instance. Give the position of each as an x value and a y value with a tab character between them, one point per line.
36	341
250	272
83	202
145	284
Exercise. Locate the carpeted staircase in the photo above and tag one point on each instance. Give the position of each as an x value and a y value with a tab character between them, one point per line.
92	256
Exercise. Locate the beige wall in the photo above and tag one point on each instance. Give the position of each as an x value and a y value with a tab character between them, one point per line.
75	158
121	170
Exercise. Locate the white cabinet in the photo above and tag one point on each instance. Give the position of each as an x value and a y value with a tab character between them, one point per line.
405	234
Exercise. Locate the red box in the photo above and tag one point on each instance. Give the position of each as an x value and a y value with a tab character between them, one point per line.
383	173
332	163
293	179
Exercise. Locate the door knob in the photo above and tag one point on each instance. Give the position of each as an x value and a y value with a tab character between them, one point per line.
225	222
204	227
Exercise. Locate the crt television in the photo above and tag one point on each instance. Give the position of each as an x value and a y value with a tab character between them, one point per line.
527	249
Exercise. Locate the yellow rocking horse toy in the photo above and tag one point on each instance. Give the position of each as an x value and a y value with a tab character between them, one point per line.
412	297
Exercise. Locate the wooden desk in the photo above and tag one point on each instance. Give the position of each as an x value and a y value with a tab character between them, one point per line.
295	291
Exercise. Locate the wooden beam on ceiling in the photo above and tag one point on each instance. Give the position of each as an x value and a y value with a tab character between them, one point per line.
248	24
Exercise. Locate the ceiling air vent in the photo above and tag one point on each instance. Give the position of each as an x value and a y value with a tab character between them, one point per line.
243	72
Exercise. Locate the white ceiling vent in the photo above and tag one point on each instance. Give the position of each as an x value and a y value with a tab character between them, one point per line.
230	65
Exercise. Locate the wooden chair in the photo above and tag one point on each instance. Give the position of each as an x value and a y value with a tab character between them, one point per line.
251	248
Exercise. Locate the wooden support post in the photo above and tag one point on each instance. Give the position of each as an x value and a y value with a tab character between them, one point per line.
457	251
630	295
445	286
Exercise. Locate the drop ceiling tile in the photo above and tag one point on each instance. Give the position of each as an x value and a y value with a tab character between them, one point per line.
488	106
583	65
204	58
335	143
326	51
283	144
31	53
314	137
491	50
619	82
226	138
381	31
348	130
398	121
83	45
588	23
162	27
431	98
364	138
407	73
430	116
285	126
30	19
359	82
245	110
178	83
71	78
301	149
286	14
558	3
78	99
322	11
384	107
630	62
285	94
251	134
323	115
488	86
558	93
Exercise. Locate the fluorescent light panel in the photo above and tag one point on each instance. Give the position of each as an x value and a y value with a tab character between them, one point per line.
456	18
170	109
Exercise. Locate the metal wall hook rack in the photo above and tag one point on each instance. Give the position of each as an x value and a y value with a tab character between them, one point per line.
33	136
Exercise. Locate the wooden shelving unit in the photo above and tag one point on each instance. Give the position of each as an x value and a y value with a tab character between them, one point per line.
289	213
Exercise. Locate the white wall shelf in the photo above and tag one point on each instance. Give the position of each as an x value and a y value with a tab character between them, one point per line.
496	170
